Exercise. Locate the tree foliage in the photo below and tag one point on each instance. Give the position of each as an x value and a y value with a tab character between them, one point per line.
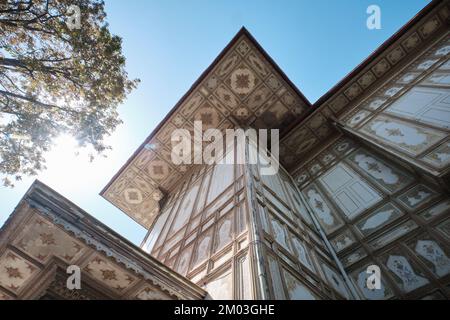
56	79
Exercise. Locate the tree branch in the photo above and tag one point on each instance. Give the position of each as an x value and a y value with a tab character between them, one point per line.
34	101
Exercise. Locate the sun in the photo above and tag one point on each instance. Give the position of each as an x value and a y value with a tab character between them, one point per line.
68	164
64	151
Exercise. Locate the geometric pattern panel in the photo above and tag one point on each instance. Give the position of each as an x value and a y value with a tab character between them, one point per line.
15	271
108	273
42	239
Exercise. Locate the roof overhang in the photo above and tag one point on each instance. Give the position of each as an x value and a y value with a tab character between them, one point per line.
47	233
306	136
243	87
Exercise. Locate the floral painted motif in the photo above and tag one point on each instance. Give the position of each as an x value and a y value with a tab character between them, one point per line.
394	234
322	210
242	81
393	91
444	227
302	178
431	251
43	240
353	257
410	138
386	176
357	118
15	271
375	103
404	271
426	64
436	210
224	234
109	274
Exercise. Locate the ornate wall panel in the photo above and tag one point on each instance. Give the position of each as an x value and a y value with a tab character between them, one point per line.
400	231
293	246
409	114
296	290
415	57
407	137
322	209
348	191
384	175
408	117
379	218
16	271
244	277
428	105
221	287
360	277
42	240
211	234
213	246
103	270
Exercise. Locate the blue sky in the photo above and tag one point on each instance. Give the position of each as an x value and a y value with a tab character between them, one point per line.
168	44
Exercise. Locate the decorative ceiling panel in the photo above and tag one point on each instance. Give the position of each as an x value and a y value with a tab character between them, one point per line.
243	87
15	271
41	240
110	274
